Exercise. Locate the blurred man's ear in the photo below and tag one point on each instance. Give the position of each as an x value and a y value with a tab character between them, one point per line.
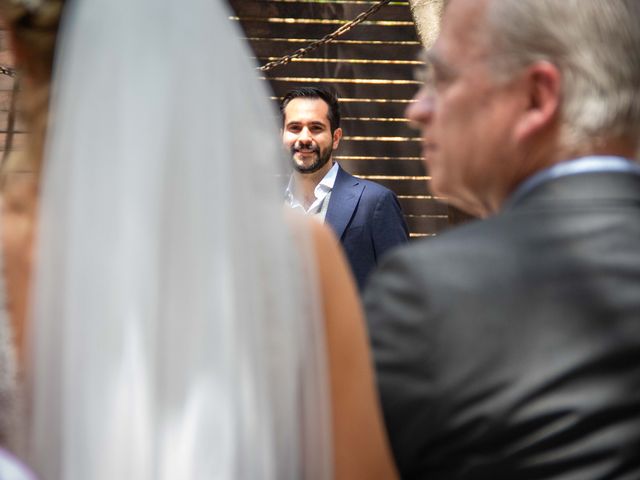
542	85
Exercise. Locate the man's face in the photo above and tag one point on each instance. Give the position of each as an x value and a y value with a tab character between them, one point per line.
307	134
464	113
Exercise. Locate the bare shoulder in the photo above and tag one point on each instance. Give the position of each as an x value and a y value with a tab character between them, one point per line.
319	238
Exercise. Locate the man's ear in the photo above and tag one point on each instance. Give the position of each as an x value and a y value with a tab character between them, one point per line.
337	136
542	84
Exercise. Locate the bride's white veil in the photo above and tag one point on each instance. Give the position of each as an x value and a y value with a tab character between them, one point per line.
174	334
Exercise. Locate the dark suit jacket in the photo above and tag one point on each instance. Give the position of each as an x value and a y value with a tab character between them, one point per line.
367	219
510	348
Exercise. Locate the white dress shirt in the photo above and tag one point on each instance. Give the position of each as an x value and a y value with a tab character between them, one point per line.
322	193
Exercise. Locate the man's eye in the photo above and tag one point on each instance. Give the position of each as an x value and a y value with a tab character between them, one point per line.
423	74
442	78
429	77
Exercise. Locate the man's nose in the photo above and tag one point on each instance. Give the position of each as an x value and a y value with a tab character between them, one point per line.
420	111
304	136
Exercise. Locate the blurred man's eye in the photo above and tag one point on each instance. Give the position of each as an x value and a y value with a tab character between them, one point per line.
426	75
423	73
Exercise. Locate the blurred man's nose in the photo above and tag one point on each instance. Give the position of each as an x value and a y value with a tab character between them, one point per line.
420	111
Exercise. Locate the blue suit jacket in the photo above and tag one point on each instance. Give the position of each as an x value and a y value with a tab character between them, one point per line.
367	219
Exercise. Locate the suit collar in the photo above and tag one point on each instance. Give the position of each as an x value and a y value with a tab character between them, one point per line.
344	200
582	188
577	166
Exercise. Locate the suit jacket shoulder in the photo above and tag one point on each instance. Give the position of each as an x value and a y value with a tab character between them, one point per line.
516	335
368	220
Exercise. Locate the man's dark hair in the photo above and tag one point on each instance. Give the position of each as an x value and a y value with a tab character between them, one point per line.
328	97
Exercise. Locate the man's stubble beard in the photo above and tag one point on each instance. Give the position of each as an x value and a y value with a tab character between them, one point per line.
323	158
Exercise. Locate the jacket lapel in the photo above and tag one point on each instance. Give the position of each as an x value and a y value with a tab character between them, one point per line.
343	201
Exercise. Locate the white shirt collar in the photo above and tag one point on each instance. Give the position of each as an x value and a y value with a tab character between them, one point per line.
323	188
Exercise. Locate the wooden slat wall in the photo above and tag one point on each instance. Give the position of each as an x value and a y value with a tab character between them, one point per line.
372	69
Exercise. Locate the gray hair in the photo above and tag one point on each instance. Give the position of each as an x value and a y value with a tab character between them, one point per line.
596	46
427	15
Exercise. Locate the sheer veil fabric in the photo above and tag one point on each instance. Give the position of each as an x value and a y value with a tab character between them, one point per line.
173	335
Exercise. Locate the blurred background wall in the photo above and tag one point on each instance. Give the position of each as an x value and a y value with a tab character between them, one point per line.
371	68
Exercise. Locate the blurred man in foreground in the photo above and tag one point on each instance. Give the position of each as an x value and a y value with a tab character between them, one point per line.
510	348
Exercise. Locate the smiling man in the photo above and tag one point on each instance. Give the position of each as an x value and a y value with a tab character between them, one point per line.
364	215
509	348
